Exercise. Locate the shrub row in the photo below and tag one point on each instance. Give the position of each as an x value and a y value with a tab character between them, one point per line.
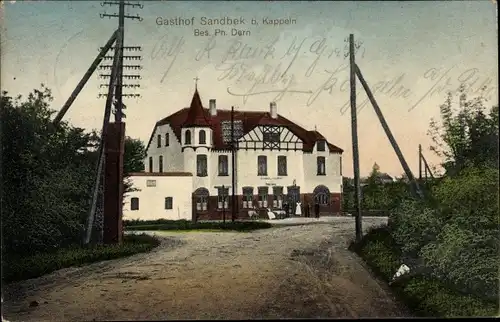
163	224
21	268
425	296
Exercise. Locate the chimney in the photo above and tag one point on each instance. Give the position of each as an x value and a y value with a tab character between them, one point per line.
273	110
212	108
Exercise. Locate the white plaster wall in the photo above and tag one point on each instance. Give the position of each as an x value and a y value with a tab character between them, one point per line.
152	199
215	179
173	160
333	177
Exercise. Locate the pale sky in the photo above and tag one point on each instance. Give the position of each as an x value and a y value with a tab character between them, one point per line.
423	48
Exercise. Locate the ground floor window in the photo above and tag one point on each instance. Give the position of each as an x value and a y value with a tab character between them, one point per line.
278	197
321	195
223	198
247	197
169	203
263	195
134	203
201	199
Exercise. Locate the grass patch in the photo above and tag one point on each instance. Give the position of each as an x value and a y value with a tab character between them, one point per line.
22	268
425	296
184	225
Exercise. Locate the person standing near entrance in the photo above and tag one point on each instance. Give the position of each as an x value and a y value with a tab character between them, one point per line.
316	210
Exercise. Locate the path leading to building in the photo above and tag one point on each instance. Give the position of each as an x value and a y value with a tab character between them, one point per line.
301	271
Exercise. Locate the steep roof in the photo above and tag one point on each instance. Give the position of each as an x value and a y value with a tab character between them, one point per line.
196	115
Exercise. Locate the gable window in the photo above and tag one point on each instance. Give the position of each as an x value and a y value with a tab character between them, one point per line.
263	194
201	165
167	139
150	164
247	197
262	165
187	137
321	146
134	203
160	163
158	143
223	165
282	165
222	198
202	137
321	166
278	197
169	203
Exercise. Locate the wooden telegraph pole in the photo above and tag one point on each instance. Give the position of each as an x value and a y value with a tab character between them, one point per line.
354	134
233	170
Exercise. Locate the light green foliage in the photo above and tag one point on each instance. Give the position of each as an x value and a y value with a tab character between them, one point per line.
466	252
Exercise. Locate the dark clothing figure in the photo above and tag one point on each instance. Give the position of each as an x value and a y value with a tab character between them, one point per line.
285	208
316	210
307	210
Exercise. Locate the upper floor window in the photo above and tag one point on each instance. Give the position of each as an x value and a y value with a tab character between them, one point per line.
150	164
202	137
187	137
262	165
201	165
167	139
321	146
223	165
134	203
282	168
158	143
321	166
160	163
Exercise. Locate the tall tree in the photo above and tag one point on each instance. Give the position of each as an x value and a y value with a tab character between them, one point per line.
467	134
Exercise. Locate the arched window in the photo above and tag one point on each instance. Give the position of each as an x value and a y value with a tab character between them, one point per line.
201	199
202	137
187	137
321	195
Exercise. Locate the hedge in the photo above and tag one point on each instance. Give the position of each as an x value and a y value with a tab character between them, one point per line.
425	296
22	268
163	224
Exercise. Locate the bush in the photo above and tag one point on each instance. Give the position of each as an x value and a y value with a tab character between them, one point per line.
163	224
21	268
425	295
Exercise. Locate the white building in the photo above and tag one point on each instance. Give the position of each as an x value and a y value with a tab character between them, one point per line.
189	165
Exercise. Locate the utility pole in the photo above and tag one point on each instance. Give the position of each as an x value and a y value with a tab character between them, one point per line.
354	134
420	162
414	184
118	99
233	170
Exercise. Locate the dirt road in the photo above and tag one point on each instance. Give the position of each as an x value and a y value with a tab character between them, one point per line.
286	272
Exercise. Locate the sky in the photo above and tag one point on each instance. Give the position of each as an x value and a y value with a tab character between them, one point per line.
410	53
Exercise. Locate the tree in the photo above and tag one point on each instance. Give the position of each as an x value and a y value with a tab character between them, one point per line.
467	135
47	174
133	161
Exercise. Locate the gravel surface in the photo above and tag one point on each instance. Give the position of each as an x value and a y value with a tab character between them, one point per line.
296	271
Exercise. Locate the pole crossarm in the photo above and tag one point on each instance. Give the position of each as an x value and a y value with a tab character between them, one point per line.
85	78
385	126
